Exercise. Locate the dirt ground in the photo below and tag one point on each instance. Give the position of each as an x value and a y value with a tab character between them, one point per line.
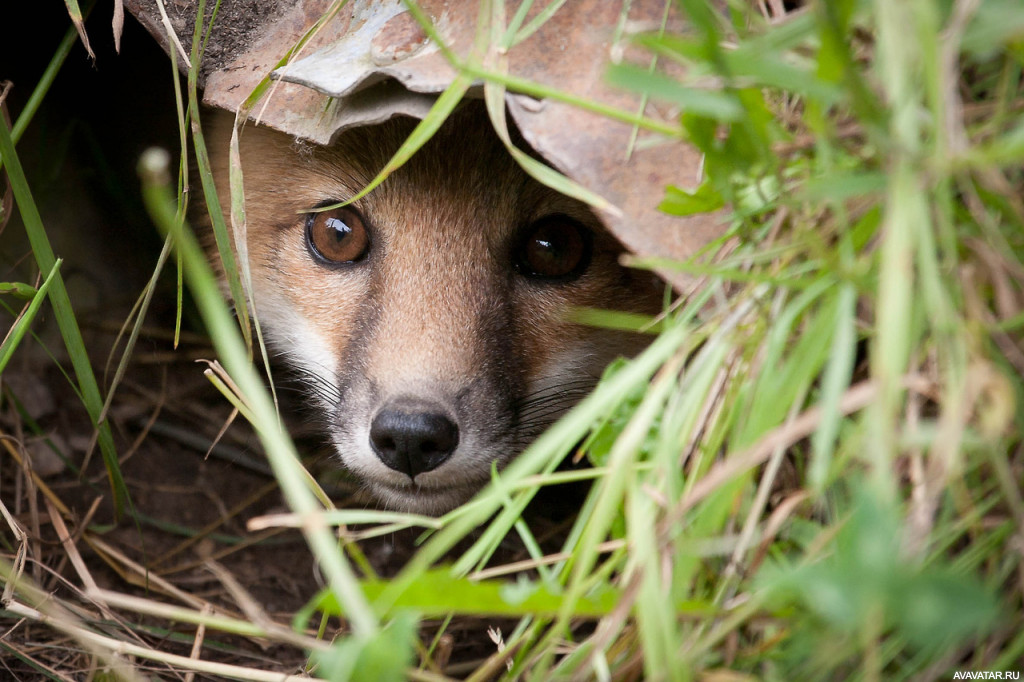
189	509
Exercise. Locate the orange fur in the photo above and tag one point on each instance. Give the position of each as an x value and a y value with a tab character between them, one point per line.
436	314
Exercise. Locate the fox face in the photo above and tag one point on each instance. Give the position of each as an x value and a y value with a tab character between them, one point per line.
429	319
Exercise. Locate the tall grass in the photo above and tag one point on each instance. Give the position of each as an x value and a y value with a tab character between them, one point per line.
815	470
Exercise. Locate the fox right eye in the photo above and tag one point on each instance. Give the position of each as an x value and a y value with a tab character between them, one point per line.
338	236
555	248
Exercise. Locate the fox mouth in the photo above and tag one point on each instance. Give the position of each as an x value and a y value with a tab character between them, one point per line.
424	499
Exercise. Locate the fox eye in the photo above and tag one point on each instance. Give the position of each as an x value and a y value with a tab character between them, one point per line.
337	236
555	247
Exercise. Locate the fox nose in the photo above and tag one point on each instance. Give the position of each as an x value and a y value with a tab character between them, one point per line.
413	437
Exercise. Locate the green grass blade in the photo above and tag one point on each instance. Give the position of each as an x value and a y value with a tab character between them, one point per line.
139	311
835	381
424	130
538	21
233	352
437	592
213	207
21	327
714	104
64	314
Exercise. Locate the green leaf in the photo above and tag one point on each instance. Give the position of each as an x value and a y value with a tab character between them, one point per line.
767	70
385	656
437	592
680	202
701	131
867	577
938	607
837	186
17	333
598	443
753	195
18	289
842	318
833	55
711	103
994	24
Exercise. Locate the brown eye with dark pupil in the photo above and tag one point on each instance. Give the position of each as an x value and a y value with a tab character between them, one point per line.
555	247
337	236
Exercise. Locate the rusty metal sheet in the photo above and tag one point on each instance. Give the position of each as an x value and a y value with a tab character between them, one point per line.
371	61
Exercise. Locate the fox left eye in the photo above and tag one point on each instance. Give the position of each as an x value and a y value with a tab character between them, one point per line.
555	247
338	236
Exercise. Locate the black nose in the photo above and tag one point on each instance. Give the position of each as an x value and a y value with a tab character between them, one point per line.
413	437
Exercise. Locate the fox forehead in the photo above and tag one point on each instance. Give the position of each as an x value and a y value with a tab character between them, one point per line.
462	184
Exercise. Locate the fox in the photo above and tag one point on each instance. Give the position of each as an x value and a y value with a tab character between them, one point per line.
430	321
